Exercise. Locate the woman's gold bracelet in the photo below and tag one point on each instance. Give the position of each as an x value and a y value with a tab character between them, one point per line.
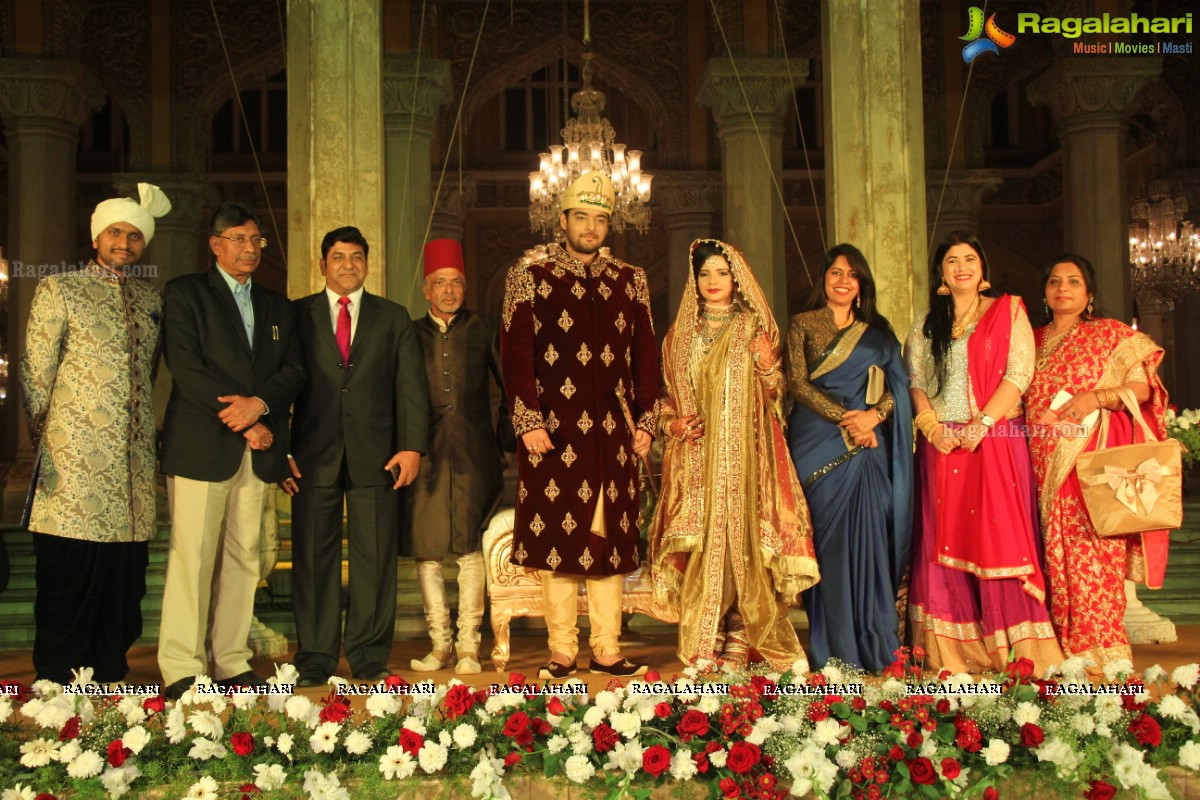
927	422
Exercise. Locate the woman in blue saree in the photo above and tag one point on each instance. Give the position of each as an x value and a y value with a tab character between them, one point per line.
850	436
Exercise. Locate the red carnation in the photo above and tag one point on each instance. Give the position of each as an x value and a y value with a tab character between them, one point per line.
541	727
604	738
336	711
921	772
692	723
1100	790
117	753
656	759
555	707
729	788
411	741
242	742
512	758
15	690
1146	730
991	793
967	735
155	704
662	710
1129	701
70	729
742	757
896	753
950	769
459	700
1031	735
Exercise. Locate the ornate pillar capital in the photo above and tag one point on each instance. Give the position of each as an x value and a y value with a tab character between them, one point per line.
47	89
958	206
450	207
189	192
414	93
1097	91
688	197
749	93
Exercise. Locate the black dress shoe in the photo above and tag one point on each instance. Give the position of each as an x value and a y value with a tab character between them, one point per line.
556	671
622	669
373	674
247	678
312	676
176	689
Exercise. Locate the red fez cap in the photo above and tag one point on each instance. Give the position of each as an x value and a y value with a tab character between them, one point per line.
443	254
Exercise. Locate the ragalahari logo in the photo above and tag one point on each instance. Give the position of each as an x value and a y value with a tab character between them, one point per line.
995	41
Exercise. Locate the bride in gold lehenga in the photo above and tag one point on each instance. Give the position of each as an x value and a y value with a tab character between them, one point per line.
731	541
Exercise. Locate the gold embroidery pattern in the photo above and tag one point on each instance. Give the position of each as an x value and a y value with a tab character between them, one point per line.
565	322
620	323
551	354
629	290
537	386
521	554
537	526
643	288
625	522
552	422
544	289
522	492
612	491
584	355
525	419
553	560
636	559
569	524
568	456
585	423
603	290
578	290
615	558
609	423
557	271
632	491
535	459
586	559
537	325
568	389
518	288
585	492
628	357
606	355
648	421
622	456
552	491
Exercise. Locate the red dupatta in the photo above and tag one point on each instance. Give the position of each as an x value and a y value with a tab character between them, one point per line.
986	515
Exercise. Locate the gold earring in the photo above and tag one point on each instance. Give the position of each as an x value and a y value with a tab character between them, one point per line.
943	290
1089	306
984	285
857	304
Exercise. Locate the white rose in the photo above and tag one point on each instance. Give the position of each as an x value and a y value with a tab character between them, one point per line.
579	769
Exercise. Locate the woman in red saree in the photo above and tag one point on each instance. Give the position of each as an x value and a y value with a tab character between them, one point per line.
978	593
1089	358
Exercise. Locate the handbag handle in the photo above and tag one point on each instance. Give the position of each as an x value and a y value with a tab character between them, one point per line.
1135	411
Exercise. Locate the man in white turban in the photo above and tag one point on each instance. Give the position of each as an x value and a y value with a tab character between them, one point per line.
87	372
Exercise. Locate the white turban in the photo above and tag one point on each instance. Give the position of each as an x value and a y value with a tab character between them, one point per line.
141	216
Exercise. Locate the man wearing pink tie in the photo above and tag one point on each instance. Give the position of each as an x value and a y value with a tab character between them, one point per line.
358	431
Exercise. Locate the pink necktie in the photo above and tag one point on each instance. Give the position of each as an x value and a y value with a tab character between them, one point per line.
343	329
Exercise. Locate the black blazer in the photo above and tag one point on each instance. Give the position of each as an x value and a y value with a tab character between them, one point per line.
367	411
209	356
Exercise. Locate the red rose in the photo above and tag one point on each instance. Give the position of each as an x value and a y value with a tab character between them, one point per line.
818	712
656	759
692	723
1020	670
335	712
701	762
662	710
411	742
763	686
512	758
967	735
517	728
950	769
154	705
1100	790
242	742
920	771
858	704
1146	730
459	700
117	752
604	738
742	757
516	679
555	707
729	788
1031	735
652	676
1048	690
896	753
541	727
249	790
70	729
914	739
45	796
943	706
894	670
991	793
395	683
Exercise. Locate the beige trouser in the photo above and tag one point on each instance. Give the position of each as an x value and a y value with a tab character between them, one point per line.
470	602
212	573
604	613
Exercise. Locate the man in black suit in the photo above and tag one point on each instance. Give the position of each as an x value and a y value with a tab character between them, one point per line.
236	367
359	429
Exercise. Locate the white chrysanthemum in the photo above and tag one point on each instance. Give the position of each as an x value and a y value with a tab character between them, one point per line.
593	716
1189	756
579	769
800	667
204	789
175	727
685	691
324	738
135	739
117	780
414	724
1186	676
493	705
285	743
1154	674
269	777
32	706
1084	724
928	748
432	757
87	764
1106	709
38	753
130	707
718	758
828	731
709	704
382	704
1114	670
204	749
396	764
243	701
996	752
18	792
626	724
846	758
1026	712
892	688
444	739
833	674
607	701
55	712
207	724
683	766
357	743
582	747
763	728
626	756
69	750
465	735
1172	707
297	708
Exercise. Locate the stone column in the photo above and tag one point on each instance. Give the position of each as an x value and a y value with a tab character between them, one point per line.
414	92
960	202
1142	625
1091	99
875	145
749	98
450	207
335	133
690	201
43	103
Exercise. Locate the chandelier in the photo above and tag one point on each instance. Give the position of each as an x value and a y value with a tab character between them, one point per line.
1164	247
589	144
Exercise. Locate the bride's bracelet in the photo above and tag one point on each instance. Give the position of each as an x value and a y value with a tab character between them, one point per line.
1108	398
927	422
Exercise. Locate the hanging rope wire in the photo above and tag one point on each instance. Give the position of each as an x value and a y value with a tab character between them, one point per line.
812	184
761	141
237	95
412	115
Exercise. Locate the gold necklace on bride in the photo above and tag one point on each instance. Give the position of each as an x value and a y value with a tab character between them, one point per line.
710	333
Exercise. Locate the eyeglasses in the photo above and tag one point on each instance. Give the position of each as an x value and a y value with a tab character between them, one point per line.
239	240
